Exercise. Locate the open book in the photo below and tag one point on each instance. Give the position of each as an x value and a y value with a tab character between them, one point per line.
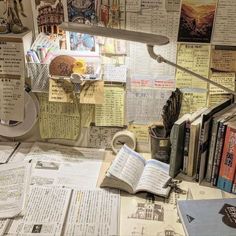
132	173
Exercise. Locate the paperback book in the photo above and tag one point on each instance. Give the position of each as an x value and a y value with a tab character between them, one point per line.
130	172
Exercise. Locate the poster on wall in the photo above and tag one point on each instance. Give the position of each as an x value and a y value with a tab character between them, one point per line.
82	12
196	20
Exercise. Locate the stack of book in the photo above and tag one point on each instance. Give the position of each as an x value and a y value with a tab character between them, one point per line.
203	146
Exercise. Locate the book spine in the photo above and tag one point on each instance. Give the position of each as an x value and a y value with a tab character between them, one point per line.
186	146
200	146
218	152
173	154
211	151
228	163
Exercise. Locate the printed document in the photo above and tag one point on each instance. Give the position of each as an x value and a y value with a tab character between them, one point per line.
14	181
93	212
45	213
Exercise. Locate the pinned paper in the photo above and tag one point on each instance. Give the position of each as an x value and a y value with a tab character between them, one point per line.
92	92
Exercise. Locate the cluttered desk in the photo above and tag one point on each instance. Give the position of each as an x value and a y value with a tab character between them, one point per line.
102	135
60	195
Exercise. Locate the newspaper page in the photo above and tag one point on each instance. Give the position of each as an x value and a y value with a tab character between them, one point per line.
224	32
128	166
149	215
54	164
93	212
6	150
111	112
14	181
45	212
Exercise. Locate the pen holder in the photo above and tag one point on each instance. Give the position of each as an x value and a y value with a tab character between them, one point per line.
160	148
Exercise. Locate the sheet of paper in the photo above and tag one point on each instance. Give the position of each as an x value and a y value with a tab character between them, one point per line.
93	212
14	180
133	6
195	57
11	97
162	220
172	5
157	21
11	56
92	92
148	81
6	151
223	78
192	102
196	20
61	90
223	60
100	137
224	32
145	105
217	98
87	114
60	165
45	212
115	73
152	4
59	120
111	112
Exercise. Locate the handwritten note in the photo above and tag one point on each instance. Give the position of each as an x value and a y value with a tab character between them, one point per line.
111	112
223	60
60	90
59	120
92	92
224	30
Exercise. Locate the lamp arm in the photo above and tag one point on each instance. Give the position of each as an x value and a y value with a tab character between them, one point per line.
161	59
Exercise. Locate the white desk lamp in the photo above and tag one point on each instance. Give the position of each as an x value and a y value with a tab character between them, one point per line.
149	39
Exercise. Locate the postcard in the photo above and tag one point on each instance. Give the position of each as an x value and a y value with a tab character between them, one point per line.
196	20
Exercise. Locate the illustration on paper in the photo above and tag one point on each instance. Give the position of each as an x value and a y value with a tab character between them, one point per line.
196	20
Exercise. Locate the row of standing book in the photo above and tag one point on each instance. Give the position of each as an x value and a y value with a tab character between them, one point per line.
203	146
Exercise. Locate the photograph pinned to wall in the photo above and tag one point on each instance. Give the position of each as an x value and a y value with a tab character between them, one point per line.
196	20
81	12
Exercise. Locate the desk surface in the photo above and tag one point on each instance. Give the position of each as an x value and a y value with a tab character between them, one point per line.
143	213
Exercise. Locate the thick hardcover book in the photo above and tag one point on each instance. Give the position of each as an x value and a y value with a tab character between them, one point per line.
202	157
193	146
177	145
219	149
132	173
227	112
228	163
208	217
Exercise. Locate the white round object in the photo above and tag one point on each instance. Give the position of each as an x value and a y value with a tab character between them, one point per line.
18	129
121	138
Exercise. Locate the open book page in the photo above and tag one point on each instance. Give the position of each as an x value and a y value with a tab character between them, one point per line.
154	178
128	166
93	212
14	182
45	213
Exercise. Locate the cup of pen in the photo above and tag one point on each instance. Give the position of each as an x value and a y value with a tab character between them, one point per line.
160	145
